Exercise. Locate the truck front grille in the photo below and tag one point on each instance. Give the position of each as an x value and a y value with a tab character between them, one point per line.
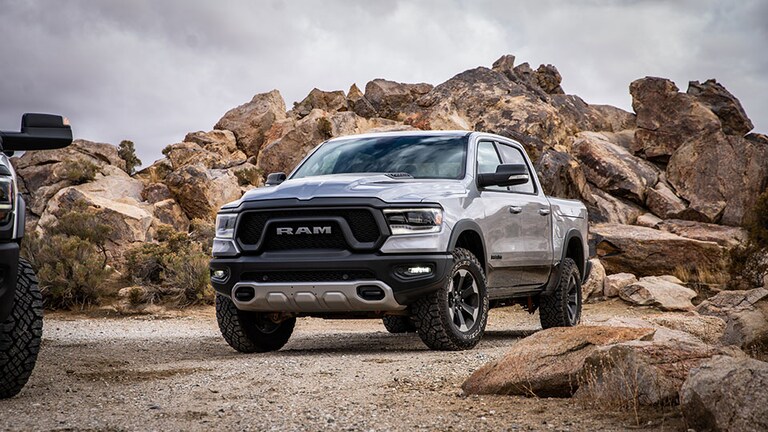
361	222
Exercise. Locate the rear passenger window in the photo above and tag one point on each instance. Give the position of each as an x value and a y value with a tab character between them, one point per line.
511	155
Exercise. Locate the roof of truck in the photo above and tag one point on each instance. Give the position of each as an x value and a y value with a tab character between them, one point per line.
449	133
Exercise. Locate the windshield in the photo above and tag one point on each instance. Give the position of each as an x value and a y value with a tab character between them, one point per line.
425	157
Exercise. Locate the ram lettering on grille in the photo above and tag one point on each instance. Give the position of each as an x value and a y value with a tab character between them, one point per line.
304	230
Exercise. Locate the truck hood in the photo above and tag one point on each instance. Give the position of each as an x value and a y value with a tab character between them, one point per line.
358	186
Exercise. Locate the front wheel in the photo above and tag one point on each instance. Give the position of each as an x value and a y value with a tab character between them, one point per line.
562	308
250	332
21	333
454	317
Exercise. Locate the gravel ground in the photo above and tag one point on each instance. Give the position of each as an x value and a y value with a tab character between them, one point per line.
175	372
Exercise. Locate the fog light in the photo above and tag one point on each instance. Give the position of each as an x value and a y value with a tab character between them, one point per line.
414	270
220	274
418	270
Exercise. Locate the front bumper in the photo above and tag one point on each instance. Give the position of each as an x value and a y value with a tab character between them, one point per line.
302	293
9	264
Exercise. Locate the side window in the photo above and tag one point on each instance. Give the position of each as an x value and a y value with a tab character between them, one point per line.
487	161
511	155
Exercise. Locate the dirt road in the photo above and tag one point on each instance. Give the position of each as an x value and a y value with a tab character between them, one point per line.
177	373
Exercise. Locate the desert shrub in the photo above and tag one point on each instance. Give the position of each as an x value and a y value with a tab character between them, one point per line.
70	258
248	176
79	171
749	261
175	266
127	153
202	231
325	127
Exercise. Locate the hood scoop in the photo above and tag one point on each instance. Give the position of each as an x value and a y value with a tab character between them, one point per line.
399	175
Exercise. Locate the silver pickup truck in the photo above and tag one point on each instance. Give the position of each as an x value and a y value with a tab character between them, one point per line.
425	230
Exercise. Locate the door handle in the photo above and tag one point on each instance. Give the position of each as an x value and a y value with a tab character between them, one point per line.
544	211
515	209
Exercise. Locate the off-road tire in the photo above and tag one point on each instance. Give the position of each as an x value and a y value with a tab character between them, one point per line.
562	308
21	333
251	332
398	324
433	313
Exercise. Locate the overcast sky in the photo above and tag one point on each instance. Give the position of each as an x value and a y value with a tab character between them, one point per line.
151	71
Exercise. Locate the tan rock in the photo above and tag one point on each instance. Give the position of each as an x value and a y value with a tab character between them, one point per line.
663	202
612	210
155	192
547	363
725	105
745	314
658	292
251	121
170	213
725	236
594	285
201	191
394	100
549	79
322	100
648	220
561	176
709	329
726	394
612	168
615	282
648	252
644	372
357	103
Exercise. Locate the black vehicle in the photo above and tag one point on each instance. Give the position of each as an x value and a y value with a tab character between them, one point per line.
21	304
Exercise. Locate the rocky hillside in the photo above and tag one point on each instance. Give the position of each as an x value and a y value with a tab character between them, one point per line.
667	186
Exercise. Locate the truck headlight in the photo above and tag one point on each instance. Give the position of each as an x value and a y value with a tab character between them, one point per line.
414	221
225	226
6	198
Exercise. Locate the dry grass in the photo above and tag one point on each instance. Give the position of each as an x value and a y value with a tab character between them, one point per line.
696	275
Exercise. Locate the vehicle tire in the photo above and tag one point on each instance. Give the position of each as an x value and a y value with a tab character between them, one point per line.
251	332
21	333
398	324
562	308
454	317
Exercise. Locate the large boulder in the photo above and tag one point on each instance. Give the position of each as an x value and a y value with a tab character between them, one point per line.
640	372
725	105
720	175
220	142
658	292
616	282
394	100
251	121
201	191
594	285
667	118
663	202
116	198
323	100
357	103
44	173
648	252
612	168
726	394
745	314
708	329
725	236
561	176
612	210
548	362
549	79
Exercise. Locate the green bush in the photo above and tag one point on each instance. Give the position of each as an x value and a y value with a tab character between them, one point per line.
175	266
127	153
248	176
749	261
79	171
70	259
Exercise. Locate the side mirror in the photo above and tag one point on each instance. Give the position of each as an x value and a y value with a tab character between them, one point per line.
38	132
275	179
505	175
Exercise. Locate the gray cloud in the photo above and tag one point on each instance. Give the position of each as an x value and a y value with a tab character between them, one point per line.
151	71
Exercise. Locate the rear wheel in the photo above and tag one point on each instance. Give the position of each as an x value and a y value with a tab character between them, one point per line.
562	308
20	334
454	317
250	332
399	324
